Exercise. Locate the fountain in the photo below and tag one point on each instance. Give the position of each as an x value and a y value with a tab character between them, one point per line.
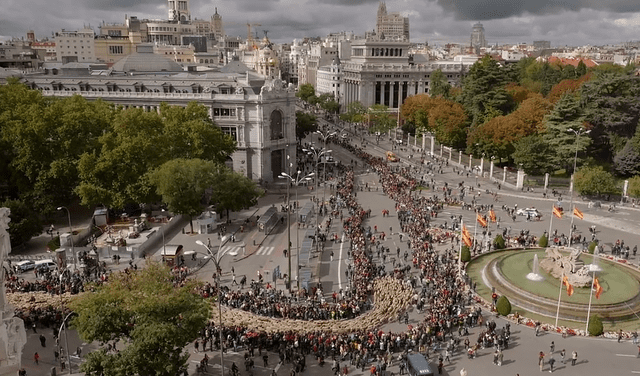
594	267
535	272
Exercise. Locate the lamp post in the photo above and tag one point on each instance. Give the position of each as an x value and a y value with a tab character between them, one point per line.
578	132
324	146
316	153
66	339
216	261
295	180
75	266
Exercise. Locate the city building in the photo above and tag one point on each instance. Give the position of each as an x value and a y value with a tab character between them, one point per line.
329	78
477	37
258	113
391	25
541	44
75	46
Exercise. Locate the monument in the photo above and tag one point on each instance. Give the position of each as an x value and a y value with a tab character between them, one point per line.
535	270
12	334
559	265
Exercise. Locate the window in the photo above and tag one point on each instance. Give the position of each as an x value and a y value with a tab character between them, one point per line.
116	50
231	131
224	112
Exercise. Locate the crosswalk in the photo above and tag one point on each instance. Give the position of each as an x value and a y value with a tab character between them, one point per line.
238	249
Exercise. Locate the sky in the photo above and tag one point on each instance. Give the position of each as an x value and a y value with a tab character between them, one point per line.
562	22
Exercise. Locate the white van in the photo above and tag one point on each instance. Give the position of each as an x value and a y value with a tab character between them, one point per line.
23	266
47	264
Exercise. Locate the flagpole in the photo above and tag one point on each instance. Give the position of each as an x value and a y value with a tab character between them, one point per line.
550	225
475	230
572	216
590	297
559	296
460	250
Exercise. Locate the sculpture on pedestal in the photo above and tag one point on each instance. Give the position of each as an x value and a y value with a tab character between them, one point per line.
12	334
558	265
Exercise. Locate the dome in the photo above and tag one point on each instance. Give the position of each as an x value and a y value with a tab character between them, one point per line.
146	62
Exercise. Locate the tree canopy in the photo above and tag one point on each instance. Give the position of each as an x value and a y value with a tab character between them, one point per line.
144	308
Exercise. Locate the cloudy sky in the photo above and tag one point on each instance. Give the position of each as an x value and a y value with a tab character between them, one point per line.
563	22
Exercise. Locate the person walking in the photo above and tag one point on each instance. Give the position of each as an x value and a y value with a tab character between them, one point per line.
552	348
541	360
36	358
574	357
552	361
43	340
562	355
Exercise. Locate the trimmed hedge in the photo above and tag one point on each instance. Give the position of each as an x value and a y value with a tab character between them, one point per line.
498	242
543	242
503	306
465	254
595	326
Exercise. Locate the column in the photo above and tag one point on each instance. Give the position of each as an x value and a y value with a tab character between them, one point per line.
504	174
570	184
399	94
450	151
482	166
546	181
491	171
520	180
383	85
433	145
424	141
470	160
460	158
441	149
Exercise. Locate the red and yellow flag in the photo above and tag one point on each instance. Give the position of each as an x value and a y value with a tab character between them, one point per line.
565	281
492	216
466	236
557	212
596	285
481	220
578	213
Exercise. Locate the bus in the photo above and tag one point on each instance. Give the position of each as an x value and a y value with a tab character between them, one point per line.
417	365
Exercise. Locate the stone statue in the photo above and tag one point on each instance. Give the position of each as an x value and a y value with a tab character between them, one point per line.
12	334
558	264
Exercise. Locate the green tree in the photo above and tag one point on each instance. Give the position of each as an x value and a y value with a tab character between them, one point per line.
592	246
182	184
594	181
233	191
144	309
595	326
305	124
543	242
533	152
566	114
380	119
483	92
627	161
634	187
465	254
503	306
305	92
438	84
25	222
355	113
498	242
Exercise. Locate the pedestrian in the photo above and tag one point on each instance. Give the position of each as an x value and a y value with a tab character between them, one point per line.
562	355
196	345
500	357
619	335
552	361
574	357
234	282
265	359
331	255
43	341
22	372
541	360
552	347
440	366
36	358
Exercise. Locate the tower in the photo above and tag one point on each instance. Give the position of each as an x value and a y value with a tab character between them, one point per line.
382	13
477	36
179	10
217	29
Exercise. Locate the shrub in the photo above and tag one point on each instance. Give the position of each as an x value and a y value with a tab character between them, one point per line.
592	247
54	244
465	255
595	326
498	242
503	306
543	242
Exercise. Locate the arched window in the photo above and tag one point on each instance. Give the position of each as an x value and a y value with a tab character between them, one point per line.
277	128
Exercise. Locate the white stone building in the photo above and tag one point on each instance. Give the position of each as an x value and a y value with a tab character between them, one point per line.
75	46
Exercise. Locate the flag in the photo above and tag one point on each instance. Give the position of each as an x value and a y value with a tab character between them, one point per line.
466	236
565	281
557	212
492	216
481	220
596	285
578	213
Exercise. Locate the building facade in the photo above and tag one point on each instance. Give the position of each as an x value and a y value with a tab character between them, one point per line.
391	25
477	36
75	46
259	114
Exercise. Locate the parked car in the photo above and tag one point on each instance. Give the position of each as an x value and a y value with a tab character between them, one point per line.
45	265
23	266
531	212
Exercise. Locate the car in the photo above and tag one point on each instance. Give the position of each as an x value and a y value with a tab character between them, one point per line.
532	212
23	266
45	265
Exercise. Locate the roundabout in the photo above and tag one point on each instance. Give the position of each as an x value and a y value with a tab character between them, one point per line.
506	272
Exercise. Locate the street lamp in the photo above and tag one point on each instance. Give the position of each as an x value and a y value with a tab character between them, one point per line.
297	180
75	266
66	339
578	132
216	261
316	153
324	146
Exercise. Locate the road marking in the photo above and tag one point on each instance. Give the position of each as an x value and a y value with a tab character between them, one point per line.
340	264
629	355
265	251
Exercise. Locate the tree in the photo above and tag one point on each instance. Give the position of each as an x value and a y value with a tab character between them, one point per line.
305	92
498	242
355	113
182	184
144	309
450	122
627	161
533	153
543	242
438	84
566	114
503	306
595	326
634	187
465	254
594	181
233	191
305	124
380	119
483	92
25	222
